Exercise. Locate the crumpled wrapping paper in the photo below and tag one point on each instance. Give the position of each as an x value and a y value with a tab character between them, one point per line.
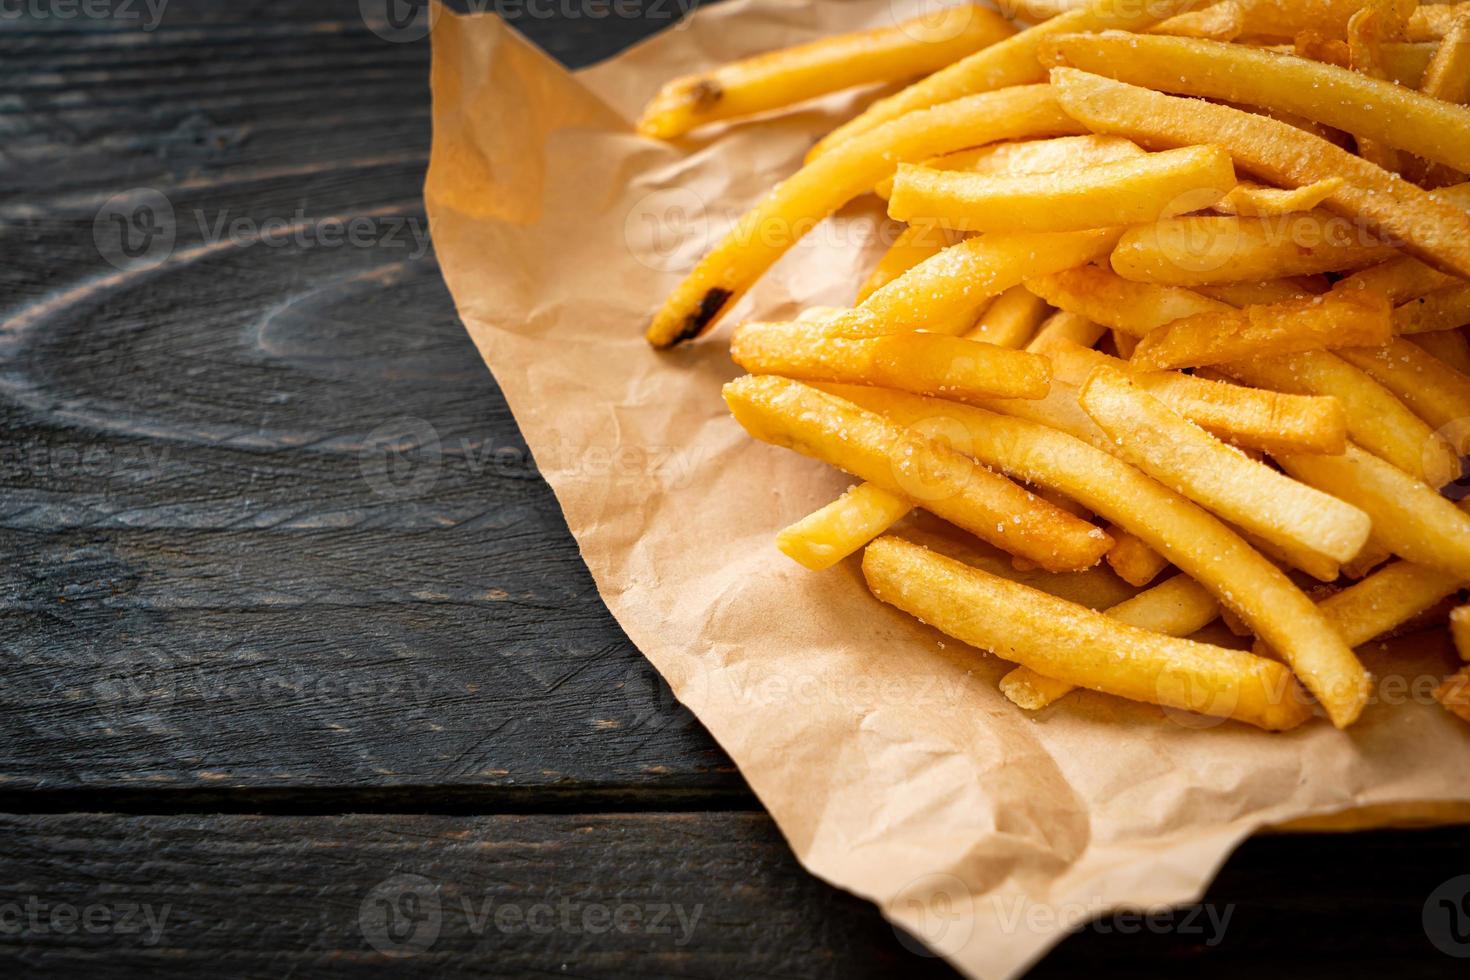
884	751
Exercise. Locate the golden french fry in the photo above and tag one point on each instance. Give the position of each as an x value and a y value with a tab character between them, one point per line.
1354	102
826	536
1345	318
1177	607
1154	186
1030	157
1253	418
941	288
926	364
1366	30
1409	517
1288	18
1288	556
1181	455
1385	600
1253	200
1074	644
1433	390
1239	294
1443	309
911	465
1454	693
1130	307
1049	446
781	78
1448	346
815	191
1365	561
1433	21
1460	630
1448	76
917	242
1065	328
1428	228
1135	562
1011	62
1224	21
1010	320
1208	249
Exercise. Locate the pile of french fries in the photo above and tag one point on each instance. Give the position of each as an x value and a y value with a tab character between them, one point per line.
1178	298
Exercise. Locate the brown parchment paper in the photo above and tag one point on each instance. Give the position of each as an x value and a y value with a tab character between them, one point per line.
884	751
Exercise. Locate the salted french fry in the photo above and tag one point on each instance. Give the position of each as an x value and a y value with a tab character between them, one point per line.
940	288
1448	346
1011	319
1448	76
917	242
1224	21
1288	18
1354	102
1460	630
815	191
1197	250
1365	561
1433	390
1400	279
1289	556
1385	600
826	536
1135	562
1252	200
1366	30
1376	419
1350	318
1009	63
1130	307
1433	21
1177	607
1252	418
1409	517
1266	292
1074	644
1150	187
1030	157
1454	693
781	78
1168	447
1065	328
911	465
1443	309
926	364
1055	444
1428	228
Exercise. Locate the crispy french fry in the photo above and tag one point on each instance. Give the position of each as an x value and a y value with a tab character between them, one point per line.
796	205
1207	249
1357	103
940	288
1254	200
1177	607
781	78
1385	600
1031	157
1434	21
1240	294
1365	561
1460	630
1409	517
1252	418
1104	297
917	242
1049	446
1448	346
1366	30
1376	419
1011	62
1074	644
1168	447
1399	279
1224	21
1135	562
1430	229
1448	76
1011	319
1065	328
826	536
1338	319
1288	18
1443	309
1454	693
1288	556
1433	390
1154	186
926	364
909	464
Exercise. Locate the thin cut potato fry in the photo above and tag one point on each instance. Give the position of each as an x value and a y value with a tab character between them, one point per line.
1120	304
1224	21
1177	607
1239	294
1409	517
1385	600
1354	102
1049	446
938	289
1366	30
1350	318
917	242
1252	418
1433	390
1433	21
1253	200
1181	455
1443	309
1065	328
1075	644
1030	157
1448	346
1009	63
1454	693
1135	562
926	364
1154	186
1207	249
1460	630
1376	419
781	78
1448	76
1428	228
1011	319
797	204
826	536
909	464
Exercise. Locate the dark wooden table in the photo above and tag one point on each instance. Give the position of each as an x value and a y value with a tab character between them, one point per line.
265	713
